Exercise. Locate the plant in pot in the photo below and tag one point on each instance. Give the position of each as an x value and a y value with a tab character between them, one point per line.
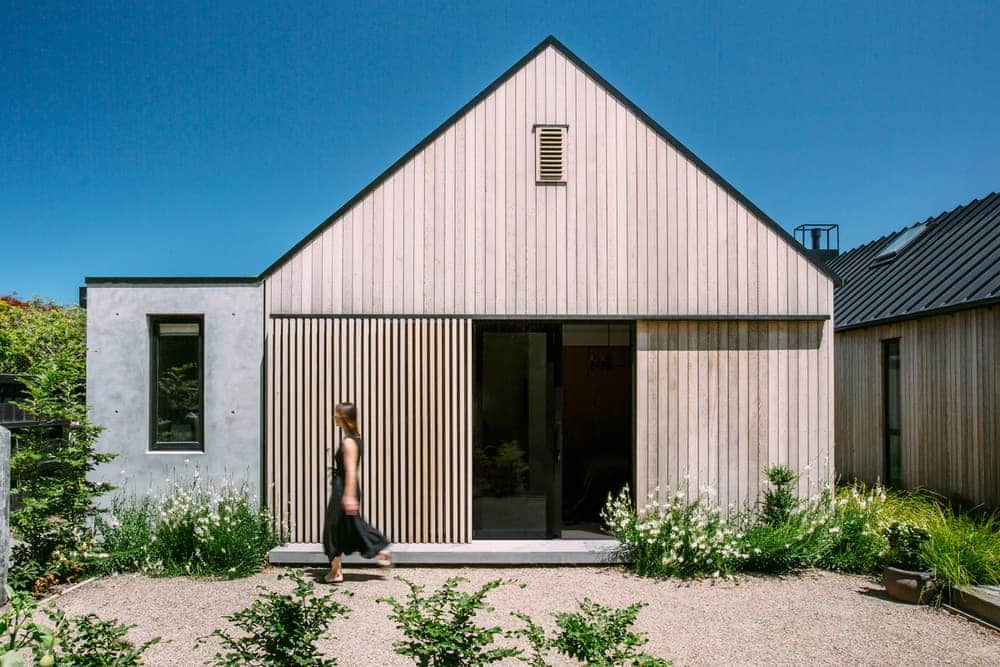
905	577
503	506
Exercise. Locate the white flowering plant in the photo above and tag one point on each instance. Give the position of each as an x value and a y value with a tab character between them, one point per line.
671	535
197	528
858	543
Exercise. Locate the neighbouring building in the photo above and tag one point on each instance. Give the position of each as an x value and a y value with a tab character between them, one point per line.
547	298
918	356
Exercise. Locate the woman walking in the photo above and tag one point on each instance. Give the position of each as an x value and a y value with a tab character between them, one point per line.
345	531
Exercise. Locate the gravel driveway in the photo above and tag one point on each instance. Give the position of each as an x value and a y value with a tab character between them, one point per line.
818	617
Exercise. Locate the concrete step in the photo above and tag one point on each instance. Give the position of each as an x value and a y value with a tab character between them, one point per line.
980	601
477	552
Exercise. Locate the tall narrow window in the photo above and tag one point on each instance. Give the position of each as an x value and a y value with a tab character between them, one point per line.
178	382
891	417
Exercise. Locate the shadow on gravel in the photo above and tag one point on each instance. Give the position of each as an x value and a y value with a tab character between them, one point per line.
876	593
317	574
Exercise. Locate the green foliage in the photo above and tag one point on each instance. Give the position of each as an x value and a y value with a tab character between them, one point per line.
55	499
779	500
856	543
674	537
502	470
962	549
601	636
279	629
16	626
535	635
836	532
440	628
905	544
80	641
87	641
195	528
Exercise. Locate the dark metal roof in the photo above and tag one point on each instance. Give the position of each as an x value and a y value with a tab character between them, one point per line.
953	265
825	269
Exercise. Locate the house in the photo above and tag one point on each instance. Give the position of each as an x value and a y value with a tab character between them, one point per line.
547	298
918	356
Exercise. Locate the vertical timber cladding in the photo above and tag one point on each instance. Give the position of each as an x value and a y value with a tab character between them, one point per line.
411	379
719	401
950	403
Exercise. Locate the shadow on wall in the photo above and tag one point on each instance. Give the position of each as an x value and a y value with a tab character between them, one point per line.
730	335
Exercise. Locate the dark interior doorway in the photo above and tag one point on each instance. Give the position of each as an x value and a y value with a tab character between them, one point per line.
597	421
552	428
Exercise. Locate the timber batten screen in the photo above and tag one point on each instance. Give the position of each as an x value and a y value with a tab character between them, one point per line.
411	380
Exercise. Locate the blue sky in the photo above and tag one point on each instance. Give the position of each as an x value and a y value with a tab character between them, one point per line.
187	139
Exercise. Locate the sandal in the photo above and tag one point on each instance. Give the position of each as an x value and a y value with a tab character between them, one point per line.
384	558
338	579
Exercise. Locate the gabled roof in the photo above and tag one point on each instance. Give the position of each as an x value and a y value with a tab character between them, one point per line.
954	264
642	115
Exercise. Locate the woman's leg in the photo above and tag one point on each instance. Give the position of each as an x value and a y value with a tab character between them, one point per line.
336	573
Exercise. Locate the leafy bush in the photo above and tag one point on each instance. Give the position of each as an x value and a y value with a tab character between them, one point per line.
279	628
905	543
194	528
54	501
856	543
79	641
440	628
675	537
86	641
779	500
601	636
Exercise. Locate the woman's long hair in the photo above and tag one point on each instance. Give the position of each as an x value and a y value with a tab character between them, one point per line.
348	414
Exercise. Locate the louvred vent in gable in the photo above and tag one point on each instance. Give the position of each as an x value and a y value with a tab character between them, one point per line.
550	143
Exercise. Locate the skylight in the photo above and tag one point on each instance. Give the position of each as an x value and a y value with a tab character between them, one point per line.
901	240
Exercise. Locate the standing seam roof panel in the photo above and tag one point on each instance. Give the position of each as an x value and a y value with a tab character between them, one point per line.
955	262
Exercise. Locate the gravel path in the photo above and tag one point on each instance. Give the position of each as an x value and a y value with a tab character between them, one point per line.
818	617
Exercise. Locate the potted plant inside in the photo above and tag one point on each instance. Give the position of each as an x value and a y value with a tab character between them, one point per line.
503	507
905	577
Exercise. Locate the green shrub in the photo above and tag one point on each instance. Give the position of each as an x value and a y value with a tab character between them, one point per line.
54	498
856	543
905	544
79	641
440	628
601	636
126	534
86	641
797	542
195	528
280	629
779	500
961	549
675	537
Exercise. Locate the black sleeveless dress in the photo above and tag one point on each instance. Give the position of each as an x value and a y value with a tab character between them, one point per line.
344	533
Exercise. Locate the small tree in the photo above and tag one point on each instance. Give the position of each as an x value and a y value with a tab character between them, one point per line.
46	345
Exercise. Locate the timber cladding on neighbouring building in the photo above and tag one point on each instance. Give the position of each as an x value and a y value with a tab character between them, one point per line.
918	356
545	299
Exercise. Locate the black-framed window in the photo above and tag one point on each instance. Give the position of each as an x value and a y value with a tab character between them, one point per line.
891	413
177	383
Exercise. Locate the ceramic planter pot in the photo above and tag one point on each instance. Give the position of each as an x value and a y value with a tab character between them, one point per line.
913	586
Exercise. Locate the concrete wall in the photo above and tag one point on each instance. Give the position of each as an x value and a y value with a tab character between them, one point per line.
118	368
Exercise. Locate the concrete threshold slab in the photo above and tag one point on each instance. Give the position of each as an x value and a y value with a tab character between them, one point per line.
980	601
477	552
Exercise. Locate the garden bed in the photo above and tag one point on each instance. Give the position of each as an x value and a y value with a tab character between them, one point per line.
816	617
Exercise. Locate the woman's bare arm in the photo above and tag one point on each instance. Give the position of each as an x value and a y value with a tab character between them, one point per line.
350	453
